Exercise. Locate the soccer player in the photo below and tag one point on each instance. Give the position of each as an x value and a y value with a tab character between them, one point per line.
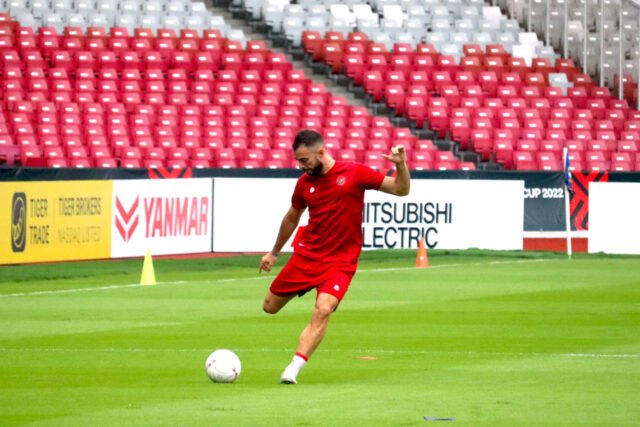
326	255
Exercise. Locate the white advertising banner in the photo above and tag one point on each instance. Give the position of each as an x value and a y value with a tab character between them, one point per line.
248	213
450	214
614	209
166	216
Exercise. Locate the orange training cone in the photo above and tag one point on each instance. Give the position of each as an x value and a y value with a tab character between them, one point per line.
421	260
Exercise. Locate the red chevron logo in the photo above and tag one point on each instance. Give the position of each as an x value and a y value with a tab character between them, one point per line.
164	173
127	219
580	198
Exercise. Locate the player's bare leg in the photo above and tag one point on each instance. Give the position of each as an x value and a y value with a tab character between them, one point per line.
273	303
311	336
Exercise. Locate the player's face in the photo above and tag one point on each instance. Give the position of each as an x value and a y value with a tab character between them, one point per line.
309	159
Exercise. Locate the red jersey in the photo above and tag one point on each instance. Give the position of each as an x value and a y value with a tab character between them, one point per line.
335	201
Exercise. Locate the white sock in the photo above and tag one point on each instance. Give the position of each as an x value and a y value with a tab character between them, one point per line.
296	364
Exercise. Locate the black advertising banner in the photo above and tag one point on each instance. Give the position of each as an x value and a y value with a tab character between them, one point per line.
70	174
544	202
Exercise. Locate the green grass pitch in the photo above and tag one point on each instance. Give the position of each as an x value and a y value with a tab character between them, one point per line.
488	338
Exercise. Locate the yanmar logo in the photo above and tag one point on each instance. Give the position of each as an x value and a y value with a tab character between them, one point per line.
127	218
176	216
164	217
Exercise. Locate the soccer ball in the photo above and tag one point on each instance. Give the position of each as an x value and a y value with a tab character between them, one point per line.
223	366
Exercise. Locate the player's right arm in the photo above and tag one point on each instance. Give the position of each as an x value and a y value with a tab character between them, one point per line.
287	227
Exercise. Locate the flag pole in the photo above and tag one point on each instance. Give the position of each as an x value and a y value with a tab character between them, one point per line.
567	196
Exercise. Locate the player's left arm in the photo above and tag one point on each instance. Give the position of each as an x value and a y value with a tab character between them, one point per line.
401	183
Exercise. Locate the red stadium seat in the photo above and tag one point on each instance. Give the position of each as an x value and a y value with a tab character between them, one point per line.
176	94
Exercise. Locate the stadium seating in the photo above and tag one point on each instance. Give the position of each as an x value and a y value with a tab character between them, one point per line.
457	71
109	98
587	28
464	71
490	108
517	97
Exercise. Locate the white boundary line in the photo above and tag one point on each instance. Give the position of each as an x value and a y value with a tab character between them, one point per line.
129	285
471	264
239	279
354	351
74	290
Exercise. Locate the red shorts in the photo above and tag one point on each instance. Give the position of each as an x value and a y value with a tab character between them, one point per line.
302	274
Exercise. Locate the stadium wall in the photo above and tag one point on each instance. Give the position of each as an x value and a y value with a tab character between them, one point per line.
74	214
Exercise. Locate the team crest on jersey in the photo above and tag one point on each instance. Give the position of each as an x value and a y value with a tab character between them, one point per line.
341	180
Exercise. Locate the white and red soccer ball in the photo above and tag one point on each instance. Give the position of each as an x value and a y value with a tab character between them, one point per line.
223	366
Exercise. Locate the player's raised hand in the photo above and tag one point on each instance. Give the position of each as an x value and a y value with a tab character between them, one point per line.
398	155
267	262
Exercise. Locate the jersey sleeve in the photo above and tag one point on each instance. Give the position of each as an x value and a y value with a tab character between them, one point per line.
368	178
297	199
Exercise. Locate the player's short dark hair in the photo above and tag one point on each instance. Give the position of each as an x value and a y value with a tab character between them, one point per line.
308	138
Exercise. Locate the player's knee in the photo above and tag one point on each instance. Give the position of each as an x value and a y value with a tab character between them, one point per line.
270	308
325	309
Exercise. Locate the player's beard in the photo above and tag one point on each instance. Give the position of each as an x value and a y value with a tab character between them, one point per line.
316	170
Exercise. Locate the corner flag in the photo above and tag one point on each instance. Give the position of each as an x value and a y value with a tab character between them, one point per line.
567	171
567	197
